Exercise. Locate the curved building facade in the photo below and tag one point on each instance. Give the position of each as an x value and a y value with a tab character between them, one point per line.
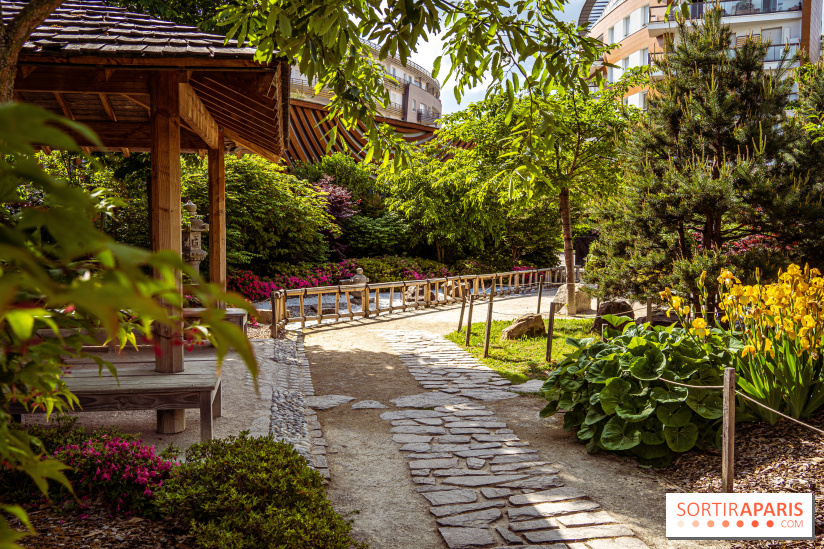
640	28
414	95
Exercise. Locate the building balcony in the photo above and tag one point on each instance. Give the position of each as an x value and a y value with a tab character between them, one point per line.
430	118
393	110
770	10
773	57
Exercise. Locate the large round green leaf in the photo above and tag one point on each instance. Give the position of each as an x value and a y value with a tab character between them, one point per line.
586	432
594	415
573	418
602	371
706	403
613	393
618	434
635	409
673	414
670	394
651	366
681	439
651	451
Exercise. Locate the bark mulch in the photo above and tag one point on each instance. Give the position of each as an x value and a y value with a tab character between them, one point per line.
785	457
95	527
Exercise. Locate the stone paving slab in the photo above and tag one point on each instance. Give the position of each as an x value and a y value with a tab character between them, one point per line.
487	488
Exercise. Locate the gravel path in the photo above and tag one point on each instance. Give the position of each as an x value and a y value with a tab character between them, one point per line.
445	468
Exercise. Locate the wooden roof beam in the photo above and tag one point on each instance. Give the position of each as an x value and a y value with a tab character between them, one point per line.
82	80
197	116
107	106
64	106
234	136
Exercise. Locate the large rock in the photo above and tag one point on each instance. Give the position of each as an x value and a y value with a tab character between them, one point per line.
582	300
409	296
659	318
530	325
460	288
616	308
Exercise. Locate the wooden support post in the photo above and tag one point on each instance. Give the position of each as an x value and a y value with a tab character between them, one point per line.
275	314
320	307
217	401
463	308
550	332
469	320
302	310
366	301
166	220
427	294
649	309
205	416
728	440
540	293
488	323
217	215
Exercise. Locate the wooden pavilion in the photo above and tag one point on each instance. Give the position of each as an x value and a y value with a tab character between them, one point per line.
148	85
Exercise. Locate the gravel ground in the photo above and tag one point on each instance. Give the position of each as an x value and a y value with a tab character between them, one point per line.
783	458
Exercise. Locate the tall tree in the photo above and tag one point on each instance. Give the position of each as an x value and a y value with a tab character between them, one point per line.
708	169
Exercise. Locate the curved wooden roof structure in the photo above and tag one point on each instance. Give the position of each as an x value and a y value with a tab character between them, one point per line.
143	84
307	134
92	63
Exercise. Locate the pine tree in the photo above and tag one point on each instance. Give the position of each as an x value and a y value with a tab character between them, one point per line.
710	170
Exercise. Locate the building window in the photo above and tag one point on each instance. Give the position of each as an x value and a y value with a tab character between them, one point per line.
645	56
645	15
643	101
414	105
624	63
626	26
611	35
610	75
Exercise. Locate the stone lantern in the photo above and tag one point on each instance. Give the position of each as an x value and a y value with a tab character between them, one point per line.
193	252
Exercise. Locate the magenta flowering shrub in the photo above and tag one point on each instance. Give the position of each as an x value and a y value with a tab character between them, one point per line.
127	473
339	203
256	288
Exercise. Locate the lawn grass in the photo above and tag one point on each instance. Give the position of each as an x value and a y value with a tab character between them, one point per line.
523	359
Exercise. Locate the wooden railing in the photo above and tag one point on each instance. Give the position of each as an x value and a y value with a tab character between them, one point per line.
414	294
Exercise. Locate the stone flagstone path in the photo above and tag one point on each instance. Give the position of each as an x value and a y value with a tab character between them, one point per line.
486	487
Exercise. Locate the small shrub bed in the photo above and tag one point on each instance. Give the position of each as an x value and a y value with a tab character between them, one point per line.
253	493
614	395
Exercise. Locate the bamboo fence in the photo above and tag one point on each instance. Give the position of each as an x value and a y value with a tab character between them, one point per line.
364	300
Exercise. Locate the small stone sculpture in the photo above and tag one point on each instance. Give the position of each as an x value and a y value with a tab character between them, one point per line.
193	252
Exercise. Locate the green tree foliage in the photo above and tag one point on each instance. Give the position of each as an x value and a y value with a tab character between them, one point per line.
62	280
710	170
389	234
270	216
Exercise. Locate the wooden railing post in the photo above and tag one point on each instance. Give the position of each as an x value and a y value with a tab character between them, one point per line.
463	308
728	434
426	295
488	323
540	292
649	309
550	331
469	320
273	299
366	301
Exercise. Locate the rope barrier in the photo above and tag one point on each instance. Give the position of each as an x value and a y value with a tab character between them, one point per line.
745	397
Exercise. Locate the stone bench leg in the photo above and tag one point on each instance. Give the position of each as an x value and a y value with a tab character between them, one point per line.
205	416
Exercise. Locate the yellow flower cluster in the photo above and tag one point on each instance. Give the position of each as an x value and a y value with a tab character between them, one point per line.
787	310
676	303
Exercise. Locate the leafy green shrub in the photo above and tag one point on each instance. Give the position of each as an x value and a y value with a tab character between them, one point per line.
390	268
613	392
387	234
347	172
270	216
244	492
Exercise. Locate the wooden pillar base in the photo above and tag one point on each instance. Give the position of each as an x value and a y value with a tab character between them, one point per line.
170	422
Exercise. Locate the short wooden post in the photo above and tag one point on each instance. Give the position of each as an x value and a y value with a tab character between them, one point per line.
649	309
275	314
469	319
463	308
540	293
577	273
302	310
427	293
550	332
728	440
488	323
366	301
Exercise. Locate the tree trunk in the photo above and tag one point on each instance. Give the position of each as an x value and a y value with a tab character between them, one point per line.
569	252
12	37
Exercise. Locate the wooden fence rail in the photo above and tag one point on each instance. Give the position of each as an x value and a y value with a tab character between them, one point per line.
364	300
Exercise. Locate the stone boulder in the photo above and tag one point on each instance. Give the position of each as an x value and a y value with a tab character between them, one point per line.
530	325
409	296
264	316
583	302
616	308
460	289
659	318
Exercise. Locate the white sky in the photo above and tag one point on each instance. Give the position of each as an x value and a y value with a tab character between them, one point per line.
428	51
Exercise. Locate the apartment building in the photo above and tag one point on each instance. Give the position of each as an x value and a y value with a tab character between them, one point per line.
640	27
414	94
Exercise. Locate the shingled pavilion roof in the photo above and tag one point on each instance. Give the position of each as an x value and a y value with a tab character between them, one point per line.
93	63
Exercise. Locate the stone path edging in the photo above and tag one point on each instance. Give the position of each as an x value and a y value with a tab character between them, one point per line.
284	374
487	487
